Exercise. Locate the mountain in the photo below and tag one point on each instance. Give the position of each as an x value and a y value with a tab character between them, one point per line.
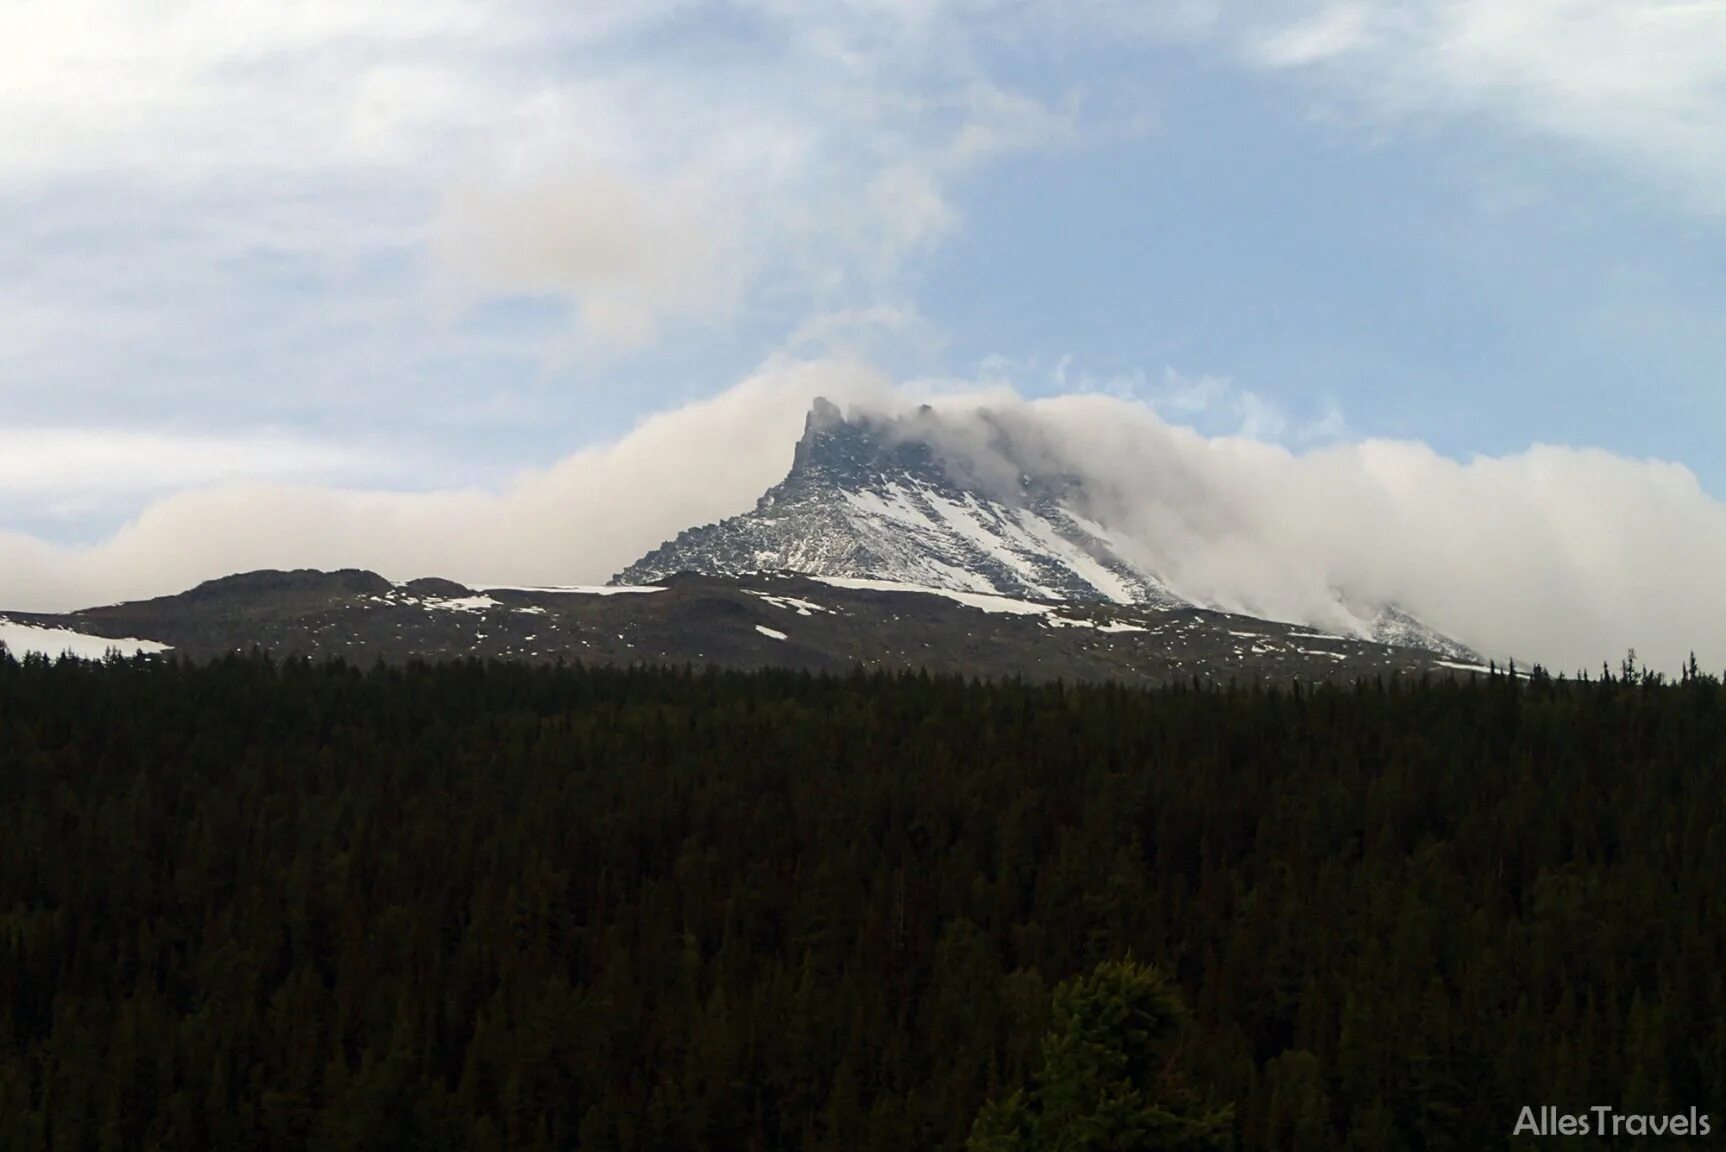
881	548
878	499
859	502
816	624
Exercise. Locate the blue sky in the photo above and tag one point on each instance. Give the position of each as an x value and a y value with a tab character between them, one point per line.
367	247
1464	288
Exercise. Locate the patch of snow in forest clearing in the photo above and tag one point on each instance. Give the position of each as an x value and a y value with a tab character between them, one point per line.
773	633
54	642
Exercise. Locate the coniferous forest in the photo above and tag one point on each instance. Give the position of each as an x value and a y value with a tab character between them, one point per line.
253	904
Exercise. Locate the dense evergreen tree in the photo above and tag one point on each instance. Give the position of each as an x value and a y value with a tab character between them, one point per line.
1108	1081
276	905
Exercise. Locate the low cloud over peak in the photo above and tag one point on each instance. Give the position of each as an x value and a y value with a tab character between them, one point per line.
1565	556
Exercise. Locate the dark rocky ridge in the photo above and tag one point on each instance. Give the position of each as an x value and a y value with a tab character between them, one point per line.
732	622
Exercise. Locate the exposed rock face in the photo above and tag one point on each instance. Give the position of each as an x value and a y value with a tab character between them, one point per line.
862	499
873	499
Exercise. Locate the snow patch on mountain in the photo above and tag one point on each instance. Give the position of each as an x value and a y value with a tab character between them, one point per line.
861	501
572	589
462	604
791	603
890	500
982	601
55	642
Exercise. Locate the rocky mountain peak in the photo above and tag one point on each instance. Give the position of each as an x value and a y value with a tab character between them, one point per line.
858	451
876	497
900	499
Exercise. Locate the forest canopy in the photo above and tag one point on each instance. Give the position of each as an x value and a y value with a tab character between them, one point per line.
282	905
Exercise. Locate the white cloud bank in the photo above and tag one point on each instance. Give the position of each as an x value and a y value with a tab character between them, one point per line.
1565	556
1639	83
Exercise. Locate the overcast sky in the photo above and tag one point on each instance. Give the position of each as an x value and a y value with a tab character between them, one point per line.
361	255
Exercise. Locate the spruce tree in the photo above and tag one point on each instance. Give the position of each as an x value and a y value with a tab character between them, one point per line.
1108	1081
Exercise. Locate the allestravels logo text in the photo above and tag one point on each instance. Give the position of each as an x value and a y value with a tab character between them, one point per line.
1547	1120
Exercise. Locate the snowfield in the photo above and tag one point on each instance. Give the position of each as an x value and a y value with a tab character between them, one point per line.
985	602
55	642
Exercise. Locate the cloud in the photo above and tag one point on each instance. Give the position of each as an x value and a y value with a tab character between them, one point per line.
1563	555
234	215
84	461
1210	404
1638	83
626	251
184	90
583	518
258	214
1326	34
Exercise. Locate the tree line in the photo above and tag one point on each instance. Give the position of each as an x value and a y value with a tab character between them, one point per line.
277	905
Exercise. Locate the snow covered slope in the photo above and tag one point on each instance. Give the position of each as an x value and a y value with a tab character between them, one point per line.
876	500
21	639
860	503
1388	624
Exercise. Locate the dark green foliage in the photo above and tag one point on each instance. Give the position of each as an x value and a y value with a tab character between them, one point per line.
1108	1080
280	906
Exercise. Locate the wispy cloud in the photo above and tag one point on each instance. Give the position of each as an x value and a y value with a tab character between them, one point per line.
1326	34
1210	404
1638	84
326	194
588	514
99	460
